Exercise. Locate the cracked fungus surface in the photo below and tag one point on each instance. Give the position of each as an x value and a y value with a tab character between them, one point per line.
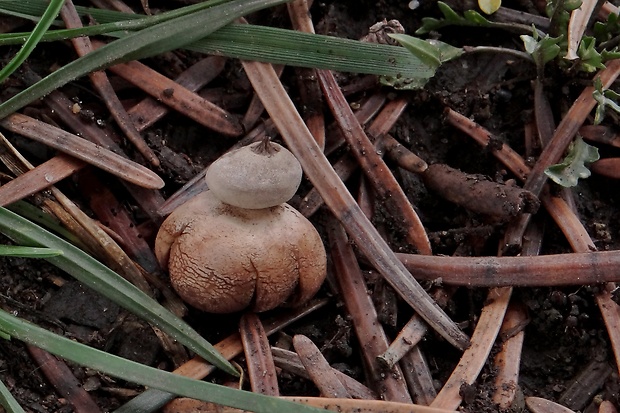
224	259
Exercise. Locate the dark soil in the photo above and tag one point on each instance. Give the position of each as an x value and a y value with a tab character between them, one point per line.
565	336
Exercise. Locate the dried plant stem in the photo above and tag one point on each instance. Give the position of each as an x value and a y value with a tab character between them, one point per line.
475	356
566	130
261	370
563	215
290	361
81	149
540	405
48	173
149	110
590	380
373	166
508	359
609	167
408	337
386	119
353	291
343	206
418	376
319	369
64	381
179	98
544	270
101	83
600	133
403	156
369	108
511	159
365	406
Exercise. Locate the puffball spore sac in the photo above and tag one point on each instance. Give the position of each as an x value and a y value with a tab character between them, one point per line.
223	257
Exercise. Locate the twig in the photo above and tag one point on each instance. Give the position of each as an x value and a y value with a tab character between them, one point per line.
475	356
508	360
179	98
261	370
149	110
540	405
365	406
544	270
289	361
318	368
408	337
63	380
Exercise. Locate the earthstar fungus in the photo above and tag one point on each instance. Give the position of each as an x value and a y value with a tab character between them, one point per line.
239	244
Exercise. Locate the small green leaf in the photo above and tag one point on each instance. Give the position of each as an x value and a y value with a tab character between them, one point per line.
610	55
423	50
604	99
452	18
573	167
604	31
446	52
570	5
590	59
431	52
542	49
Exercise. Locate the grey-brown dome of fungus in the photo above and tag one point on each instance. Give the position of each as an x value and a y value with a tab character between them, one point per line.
260	175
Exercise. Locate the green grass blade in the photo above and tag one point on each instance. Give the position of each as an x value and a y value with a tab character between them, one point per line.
149	401
28	252
8	401
112	21
100	278
159	38
282	46
141	374
31	42
290	47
